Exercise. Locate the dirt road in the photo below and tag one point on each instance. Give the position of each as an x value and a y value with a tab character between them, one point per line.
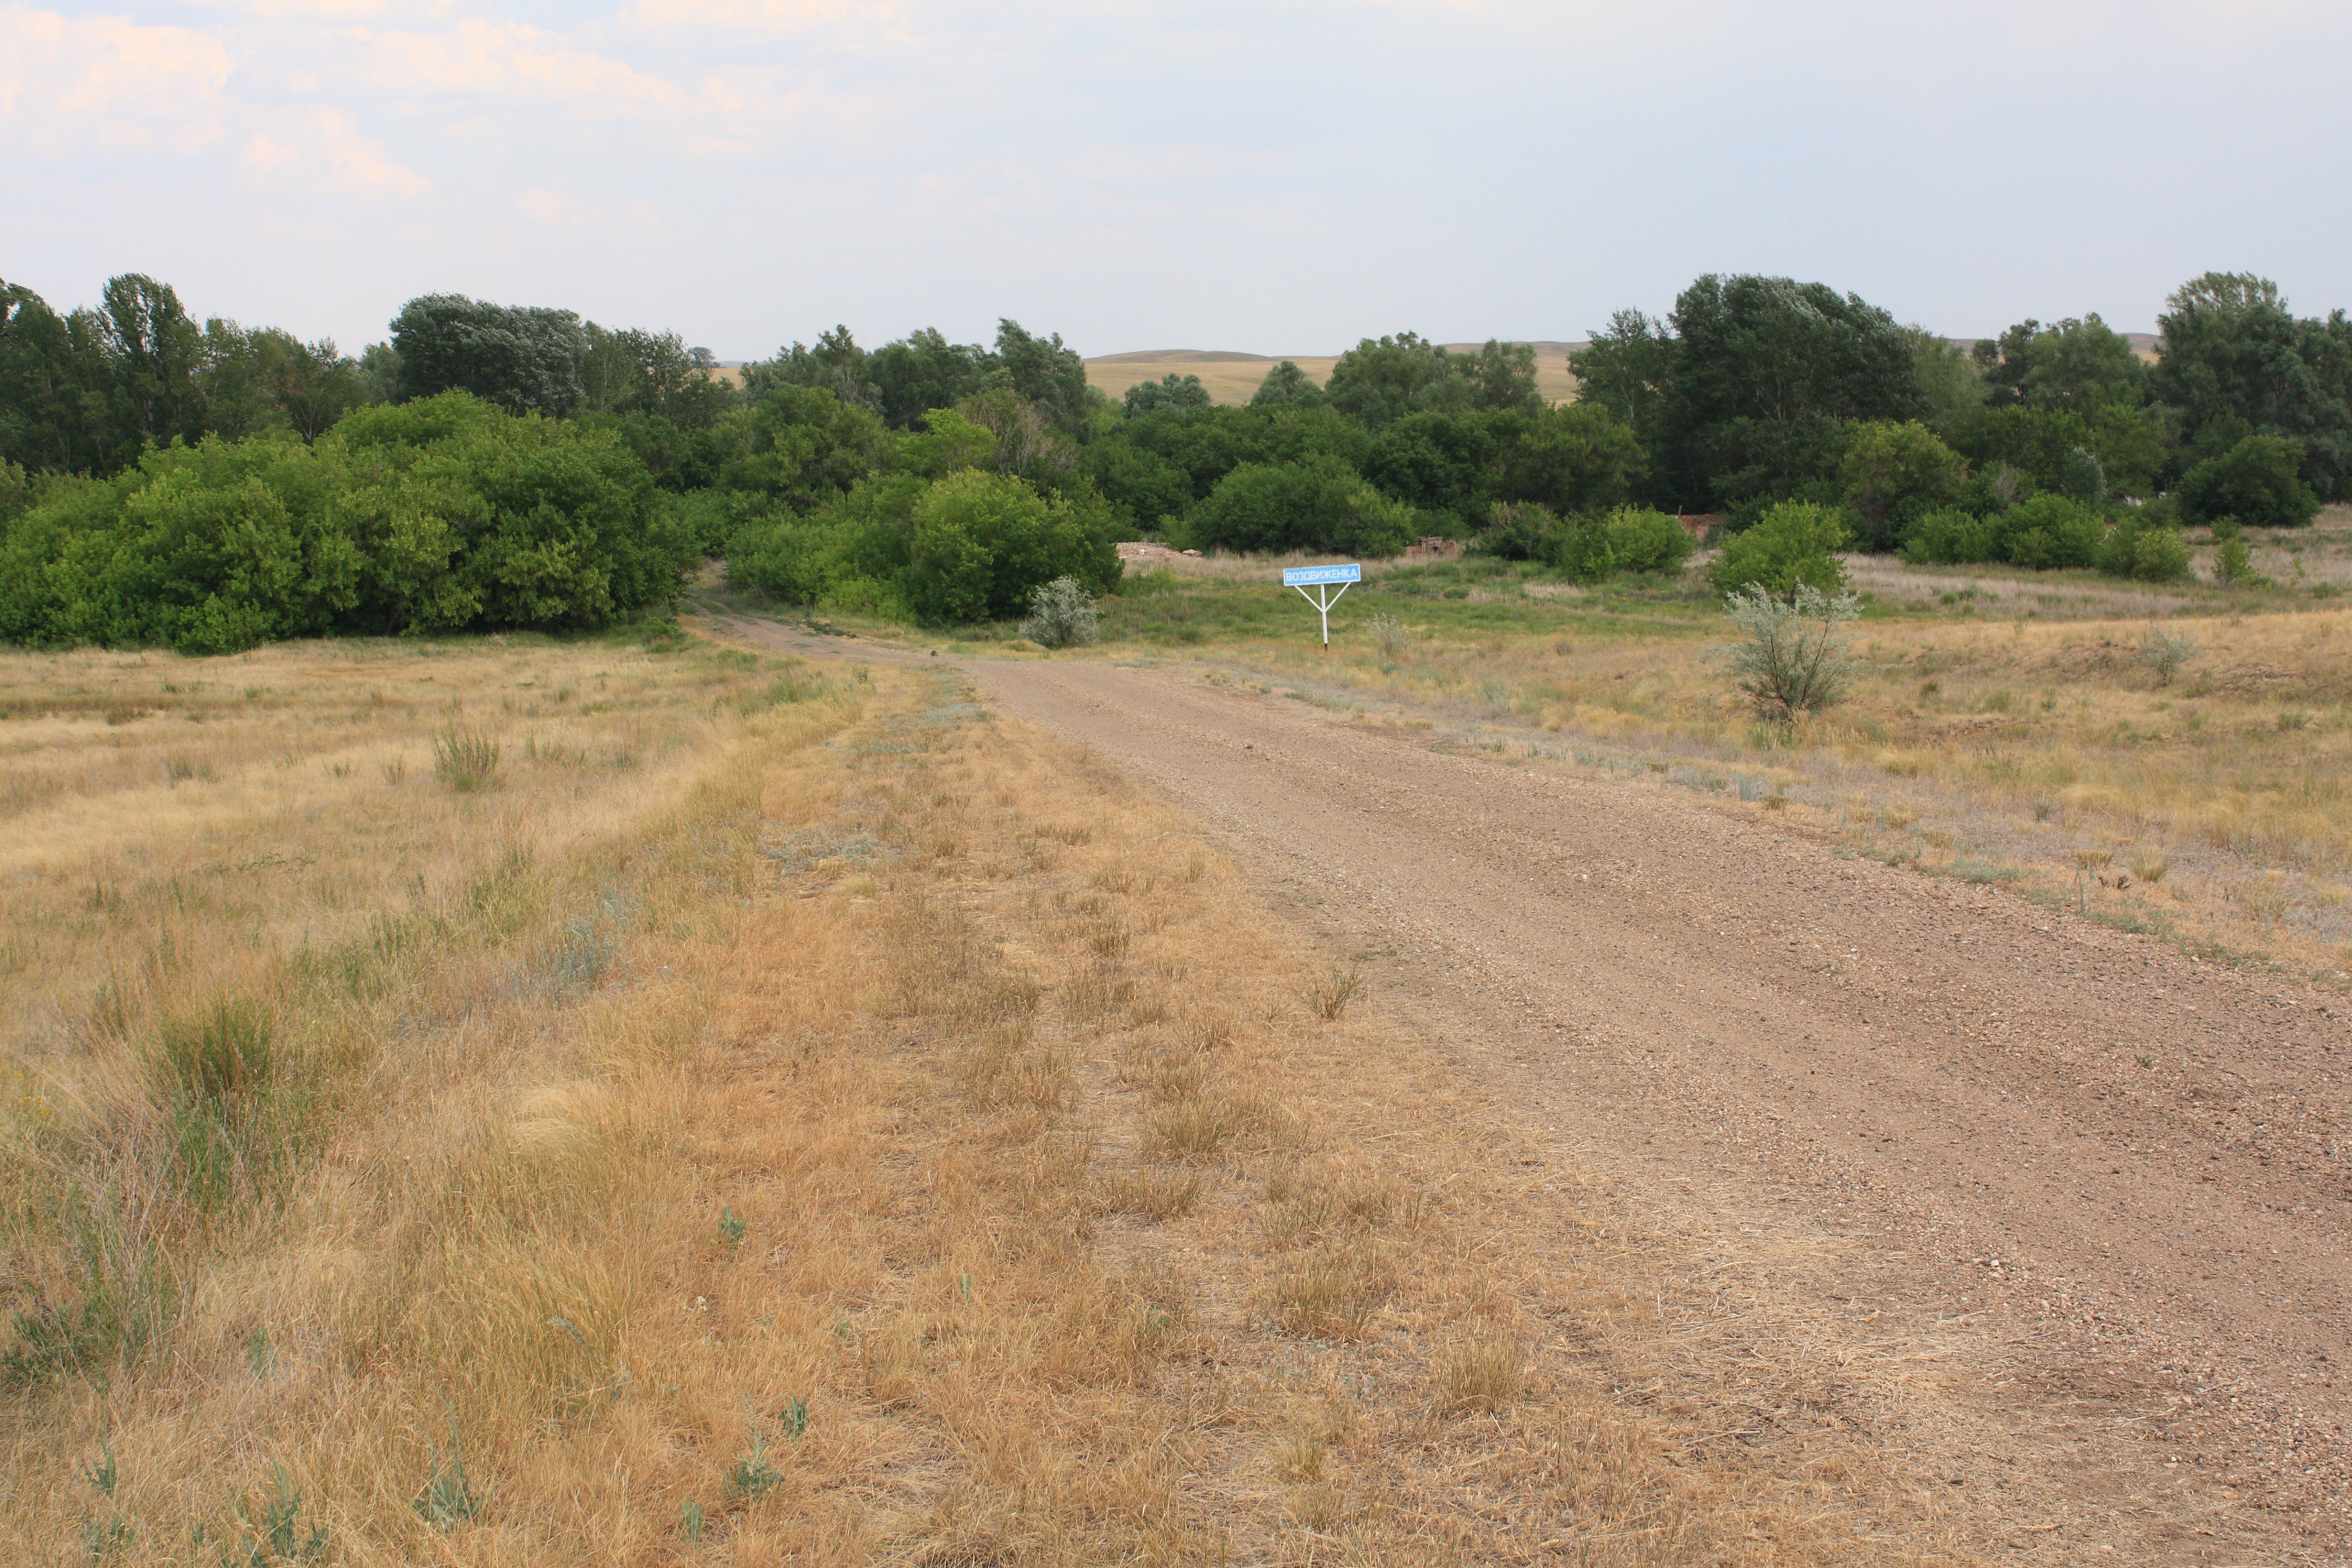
2119	1173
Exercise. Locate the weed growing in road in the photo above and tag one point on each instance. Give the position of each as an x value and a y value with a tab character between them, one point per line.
1330	999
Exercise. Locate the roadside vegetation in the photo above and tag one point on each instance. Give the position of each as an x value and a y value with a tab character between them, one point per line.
528	1101
214	487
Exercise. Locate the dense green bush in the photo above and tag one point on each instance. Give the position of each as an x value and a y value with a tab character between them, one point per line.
982	543
1316	503
444	514
2049	530
1520	531
2144	546
1794	542
1949	536
2258	481
2053	531
972	546
1631	539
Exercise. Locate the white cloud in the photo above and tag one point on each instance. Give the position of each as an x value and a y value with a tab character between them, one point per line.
321	149
73	84
504	60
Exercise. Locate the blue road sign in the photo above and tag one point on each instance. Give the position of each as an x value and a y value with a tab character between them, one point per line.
1321	578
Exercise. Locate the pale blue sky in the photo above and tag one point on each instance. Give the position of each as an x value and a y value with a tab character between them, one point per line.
1280	176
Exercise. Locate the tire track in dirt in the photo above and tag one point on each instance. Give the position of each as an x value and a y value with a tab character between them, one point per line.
2123	1170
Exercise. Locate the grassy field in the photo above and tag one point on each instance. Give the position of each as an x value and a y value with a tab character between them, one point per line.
2003	727
515	1102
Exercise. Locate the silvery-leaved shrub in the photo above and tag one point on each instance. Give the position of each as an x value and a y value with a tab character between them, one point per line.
1062	614
1791	656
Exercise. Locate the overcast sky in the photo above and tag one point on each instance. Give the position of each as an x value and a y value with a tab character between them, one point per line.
1274	175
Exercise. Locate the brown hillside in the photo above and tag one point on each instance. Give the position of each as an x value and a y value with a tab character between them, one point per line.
1232	377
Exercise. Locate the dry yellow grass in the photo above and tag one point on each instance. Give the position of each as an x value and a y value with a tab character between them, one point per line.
1233	378
792	1117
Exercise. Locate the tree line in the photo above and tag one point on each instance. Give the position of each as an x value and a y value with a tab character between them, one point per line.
209	485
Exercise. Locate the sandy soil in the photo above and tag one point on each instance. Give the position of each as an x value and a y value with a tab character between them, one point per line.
2111	1179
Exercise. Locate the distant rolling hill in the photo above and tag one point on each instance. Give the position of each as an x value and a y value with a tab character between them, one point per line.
1234	377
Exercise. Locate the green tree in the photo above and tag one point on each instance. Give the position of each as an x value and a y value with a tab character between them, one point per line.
2078	365
56	404
1575	458
1793	543
1171	393
2035	442
1027	445
2235	362
627	371
922	372
155	352
266	379
1627	369
1380	380
1949	379
1050	377
1443	463
379	373
1502	376
524	359
2258	481
803	445
836	364
1890	473
1767	371
1287	385
1146	488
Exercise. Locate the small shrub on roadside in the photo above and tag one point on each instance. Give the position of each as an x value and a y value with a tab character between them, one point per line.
1330	999
1062	614
1791	656
2164	652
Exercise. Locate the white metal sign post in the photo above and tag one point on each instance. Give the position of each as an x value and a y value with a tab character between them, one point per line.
1320	578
